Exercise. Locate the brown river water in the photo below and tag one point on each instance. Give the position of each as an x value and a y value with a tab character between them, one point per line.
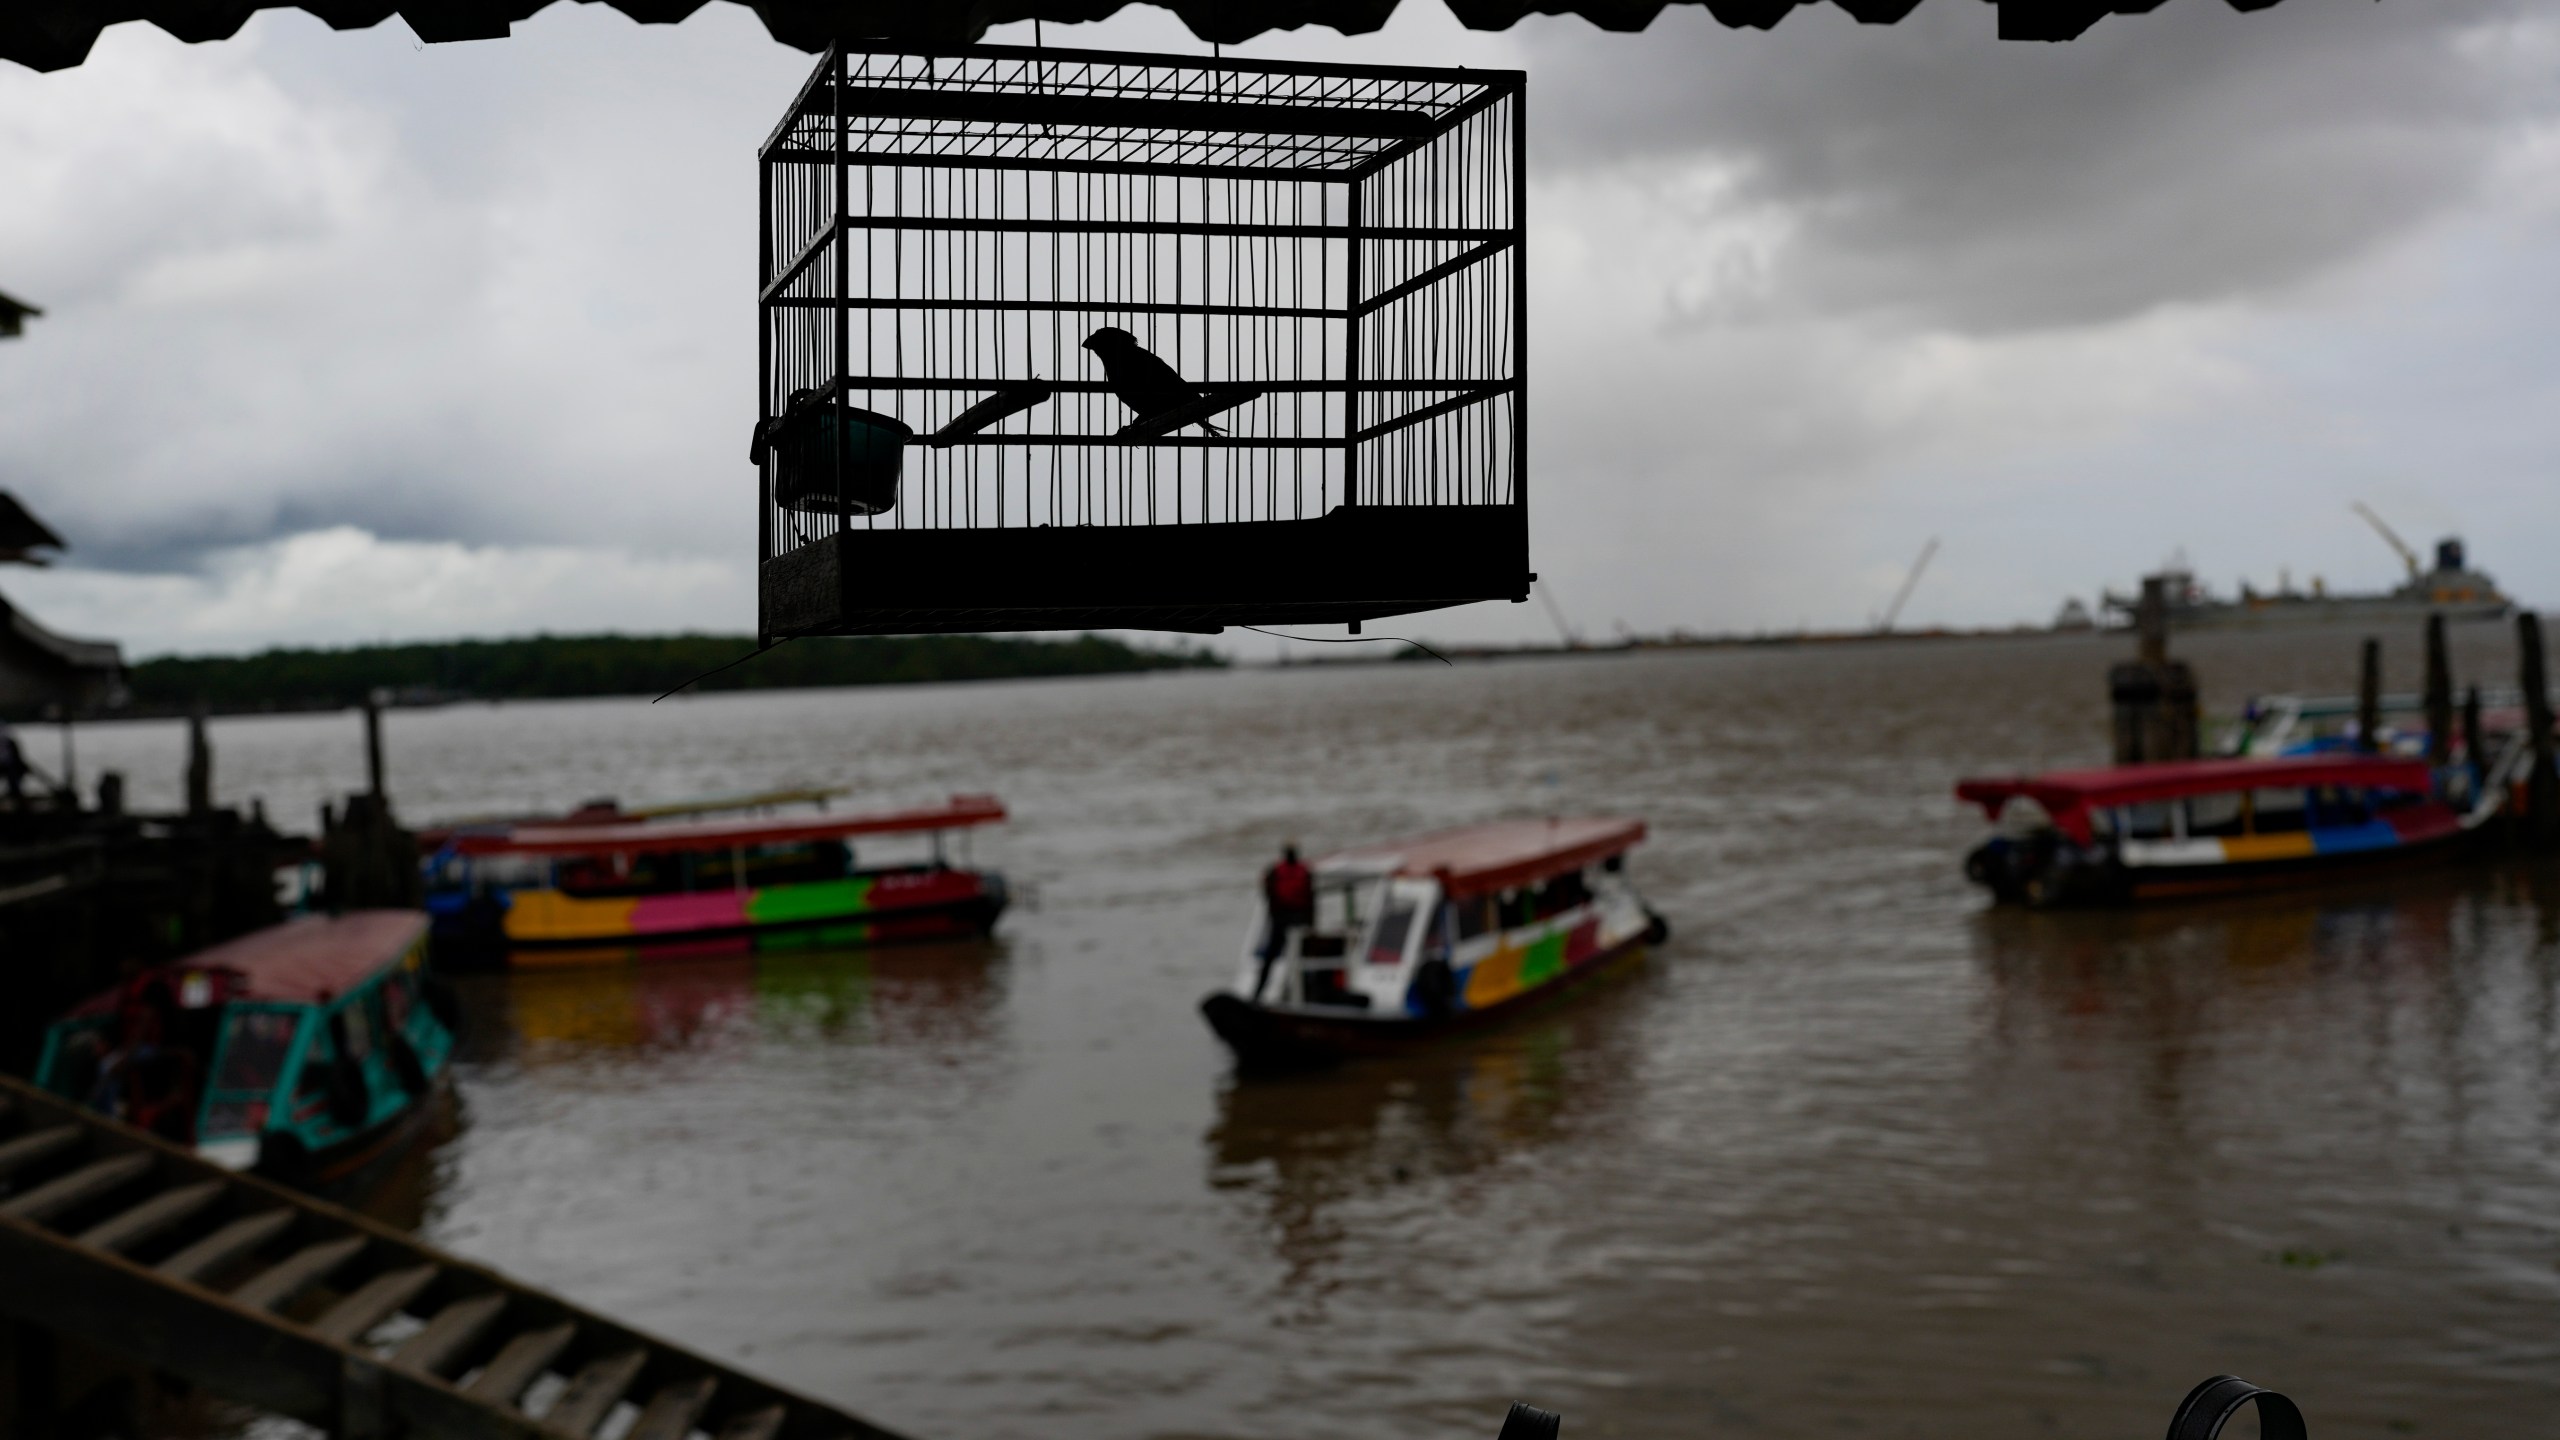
1850	1155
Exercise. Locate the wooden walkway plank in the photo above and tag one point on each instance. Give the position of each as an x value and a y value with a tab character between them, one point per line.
82	1198
761	1424
226	1245
120	1233
98	1177
591	1396
279	1283
502	1380
670	1413
432	1350
36	1145
373	1302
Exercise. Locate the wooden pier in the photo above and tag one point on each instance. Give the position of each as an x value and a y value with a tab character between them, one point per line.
265	1296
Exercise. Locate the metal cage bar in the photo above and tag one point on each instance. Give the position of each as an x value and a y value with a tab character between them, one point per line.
1091	297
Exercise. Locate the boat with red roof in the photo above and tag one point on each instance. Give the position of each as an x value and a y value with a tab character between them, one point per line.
555	891
1415	938
2124	833
314	1051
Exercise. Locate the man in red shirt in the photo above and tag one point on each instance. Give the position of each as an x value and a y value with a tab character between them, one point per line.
1289	898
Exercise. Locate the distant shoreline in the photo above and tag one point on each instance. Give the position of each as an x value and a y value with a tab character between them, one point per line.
566	667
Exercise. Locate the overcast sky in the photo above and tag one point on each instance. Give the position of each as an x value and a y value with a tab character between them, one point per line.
350	337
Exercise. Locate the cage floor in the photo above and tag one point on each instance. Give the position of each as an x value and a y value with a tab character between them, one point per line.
1357	563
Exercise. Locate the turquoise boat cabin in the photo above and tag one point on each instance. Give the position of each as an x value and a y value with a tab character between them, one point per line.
308	1050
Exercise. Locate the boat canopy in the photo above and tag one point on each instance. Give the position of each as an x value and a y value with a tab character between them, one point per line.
2066	793
639	837
609	812
1496	855
307	961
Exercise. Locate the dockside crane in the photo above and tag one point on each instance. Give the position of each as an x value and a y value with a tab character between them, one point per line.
1572	638
2408	556
1910	582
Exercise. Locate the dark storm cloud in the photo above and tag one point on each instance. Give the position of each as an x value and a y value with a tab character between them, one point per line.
306	280
2198	155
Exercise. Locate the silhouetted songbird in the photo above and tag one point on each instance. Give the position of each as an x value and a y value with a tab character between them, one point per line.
1143	382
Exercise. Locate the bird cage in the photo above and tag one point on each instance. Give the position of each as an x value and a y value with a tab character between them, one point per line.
1073	340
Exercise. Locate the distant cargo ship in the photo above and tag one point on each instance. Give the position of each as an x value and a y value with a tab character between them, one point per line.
2450	588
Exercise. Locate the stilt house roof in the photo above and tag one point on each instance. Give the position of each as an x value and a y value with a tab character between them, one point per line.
40	668
37	666
21	533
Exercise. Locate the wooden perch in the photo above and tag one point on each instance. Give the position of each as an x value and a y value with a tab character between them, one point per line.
1010	400
1165	422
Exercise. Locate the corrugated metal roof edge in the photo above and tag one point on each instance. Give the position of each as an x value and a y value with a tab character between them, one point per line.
58	34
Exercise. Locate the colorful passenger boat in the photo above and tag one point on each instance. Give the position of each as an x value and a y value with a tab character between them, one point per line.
2195	827
311	1051
1419	937
548	892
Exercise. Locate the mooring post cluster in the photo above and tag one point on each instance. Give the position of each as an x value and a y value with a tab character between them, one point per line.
2153	696
366	860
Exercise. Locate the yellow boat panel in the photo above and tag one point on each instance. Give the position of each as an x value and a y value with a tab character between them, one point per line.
2268	847
547	916
1495	978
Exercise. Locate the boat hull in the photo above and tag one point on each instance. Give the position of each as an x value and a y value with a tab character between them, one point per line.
2112	883
350	1168
488	936
1266	1037
2277	614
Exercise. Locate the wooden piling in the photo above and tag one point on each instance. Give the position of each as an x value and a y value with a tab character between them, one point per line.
199	763
2152	697
2439	695
366	859
2151	622
373	743
2475	747
2369	698
2542	784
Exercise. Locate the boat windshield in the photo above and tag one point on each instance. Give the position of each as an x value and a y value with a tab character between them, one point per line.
2149	820
2279	810
256	1042
254	1047
2214	816
1395	923
1343	902
491	872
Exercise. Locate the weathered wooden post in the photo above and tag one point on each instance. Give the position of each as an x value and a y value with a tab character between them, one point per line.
2542	786
2151	623
373	742
2369	698
2153	697
70	760
2439	694
366	859
199	763
2475	747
